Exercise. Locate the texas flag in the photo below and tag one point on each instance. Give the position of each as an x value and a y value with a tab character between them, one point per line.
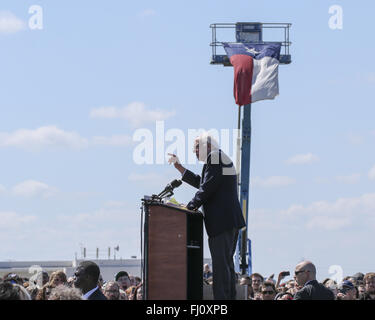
255	70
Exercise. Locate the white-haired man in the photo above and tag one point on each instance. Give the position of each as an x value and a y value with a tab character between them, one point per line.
222	212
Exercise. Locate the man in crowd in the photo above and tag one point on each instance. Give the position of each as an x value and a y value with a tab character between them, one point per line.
256	283
369	282
268	290
346	291
123	280
222	211
305	277
86	279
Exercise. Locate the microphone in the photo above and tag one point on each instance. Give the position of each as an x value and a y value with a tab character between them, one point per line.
170	186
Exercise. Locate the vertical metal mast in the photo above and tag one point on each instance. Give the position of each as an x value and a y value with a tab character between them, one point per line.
245	185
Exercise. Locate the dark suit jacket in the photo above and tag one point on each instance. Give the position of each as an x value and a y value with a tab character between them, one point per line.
314	291
97	295
217	194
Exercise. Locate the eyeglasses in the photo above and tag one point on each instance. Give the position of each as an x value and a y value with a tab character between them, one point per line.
267	292
300	271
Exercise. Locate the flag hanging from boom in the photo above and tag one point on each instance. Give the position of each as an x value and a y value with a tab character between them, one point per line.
255	70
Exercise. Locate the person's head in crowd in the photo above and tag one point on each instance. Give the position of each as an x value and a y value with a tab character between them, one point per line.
57	278
123	280
256	281
304	272
268	290
358	277
86	276
8	291
369	282
13	278
138	280
44	293
361	288
346	291
63	292
112	290
332	285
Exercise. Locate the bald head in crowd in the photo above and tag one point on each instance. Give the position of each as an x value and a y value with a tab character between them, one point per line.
305	271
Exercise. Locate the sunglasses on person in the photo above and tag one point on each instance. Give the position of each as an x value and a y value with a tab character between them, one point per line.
267	292
300	271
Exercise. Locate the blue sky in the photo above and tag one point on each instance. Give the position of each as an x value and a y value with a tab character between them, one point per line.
68	178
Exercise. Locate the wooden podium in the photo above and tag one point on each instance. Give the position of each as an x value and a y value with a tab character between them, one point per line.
172	253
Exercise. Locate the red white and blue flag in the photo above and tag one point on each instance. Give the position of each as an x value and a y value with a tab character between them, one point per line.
255	70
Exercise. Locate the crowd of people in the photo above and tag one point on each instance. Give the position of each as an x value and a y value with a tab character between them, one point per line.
303	286
87	284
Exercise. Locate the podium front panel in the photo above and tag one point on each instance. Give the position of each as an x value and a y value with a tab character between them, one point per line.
167	254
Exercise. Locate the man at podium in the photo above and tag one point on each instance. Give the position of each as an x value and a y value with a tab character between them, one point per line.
222	211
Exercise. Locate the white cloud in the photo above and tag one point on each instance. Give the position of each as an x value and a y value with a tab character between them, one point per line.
115	140
43	137
9	23
327	223
307	158
334	215
351	179
272	182
2	189
371	173
9	220
135	113
32	188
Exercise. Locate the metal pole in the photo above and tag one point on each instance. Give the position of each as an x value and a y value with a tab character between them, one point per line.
245	182
238	160
238	168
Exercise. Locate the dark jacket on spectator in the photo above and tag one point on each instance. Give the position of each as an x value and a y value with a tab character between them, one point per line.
313	290
97	295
